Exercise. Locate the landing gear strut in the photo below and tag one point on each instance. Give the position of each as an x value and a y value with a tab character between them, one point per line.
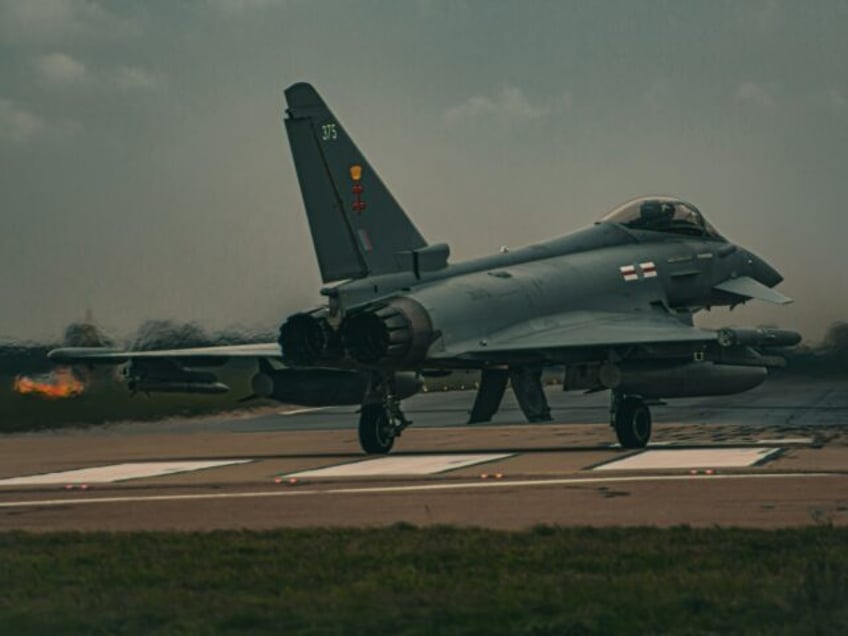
380	419
631	418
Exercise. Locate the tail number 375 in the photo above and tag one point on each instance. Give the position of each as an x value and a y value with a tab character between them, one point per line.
329	132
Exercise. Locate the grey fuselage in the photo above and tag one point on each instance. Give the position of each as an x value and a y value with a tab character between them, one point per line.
470	301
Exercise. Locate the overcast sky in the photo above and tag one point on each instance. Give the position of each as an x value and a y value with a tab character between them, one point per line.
144	171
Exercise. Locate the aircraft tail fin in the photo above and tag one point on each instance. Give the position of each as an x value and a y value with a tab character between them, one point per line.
357	226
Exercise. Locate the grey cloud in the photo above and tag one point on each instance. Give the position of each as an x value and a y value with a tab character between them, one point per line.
510	104
767	16
53	20
756	95
135	78
44	18
240	6
16	124
832	99
61	68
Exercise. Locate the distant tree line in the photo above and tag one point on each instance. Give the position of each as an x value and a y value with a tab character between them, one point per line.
828	358
31	357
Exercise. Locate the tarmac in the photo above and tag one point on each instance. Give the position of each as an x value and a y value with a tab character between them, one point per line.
773	457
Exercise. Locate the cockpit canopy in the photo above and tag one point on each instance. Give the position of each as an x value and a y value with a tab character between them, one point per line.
662	214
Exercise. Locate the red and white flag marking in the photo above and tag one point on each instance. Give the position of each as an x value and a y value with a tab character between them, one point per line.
629	272
649	270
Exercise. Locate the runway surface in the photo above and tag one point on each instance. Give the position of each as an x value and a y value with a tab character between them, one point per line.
772	457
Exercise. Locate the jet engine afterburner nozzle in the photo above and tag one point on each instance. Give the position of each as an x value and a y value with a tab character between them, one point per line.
306	339
397	333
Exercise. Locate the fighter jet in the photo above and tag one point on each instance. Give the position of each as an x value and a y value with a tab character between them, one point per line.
611	303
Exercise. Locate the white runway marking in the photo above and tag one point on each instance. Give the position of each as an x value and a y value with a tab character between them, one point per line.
691	458
786	440
650	444
400	489
400	465
116	472
302	411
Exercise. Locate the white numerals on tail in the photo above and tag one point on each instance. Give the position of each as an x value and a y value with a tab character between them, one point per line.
329	132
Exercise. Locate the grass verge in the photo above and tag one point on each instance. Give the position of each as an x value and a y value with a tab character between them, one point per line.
440	580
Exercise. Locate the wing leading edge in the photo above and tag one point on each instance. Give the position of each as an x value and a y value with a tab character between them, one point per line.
102	355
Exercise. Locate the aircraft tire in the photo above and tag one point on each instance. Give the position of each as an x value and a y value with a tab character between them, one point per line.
376	432
633	423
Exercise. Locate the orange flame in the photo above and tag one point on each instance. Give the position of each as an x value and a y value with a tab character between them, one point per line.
60	383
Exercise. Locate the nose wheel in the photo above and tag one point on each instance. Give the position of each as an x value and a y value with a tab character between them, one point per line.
631	419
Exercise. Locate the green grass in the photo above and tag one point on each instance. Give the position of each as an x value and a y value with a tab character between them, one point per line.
442	580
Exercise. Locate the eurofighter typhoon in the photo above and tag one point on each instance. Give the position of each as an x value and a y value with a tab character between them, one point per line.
612	303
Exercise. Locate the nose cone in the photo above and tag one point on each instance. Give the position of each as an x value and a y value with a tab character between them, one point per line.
763	272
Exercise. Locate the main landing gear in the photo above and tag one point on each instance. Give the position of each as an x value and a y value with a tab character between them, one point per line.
380	418
527	386
631	419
